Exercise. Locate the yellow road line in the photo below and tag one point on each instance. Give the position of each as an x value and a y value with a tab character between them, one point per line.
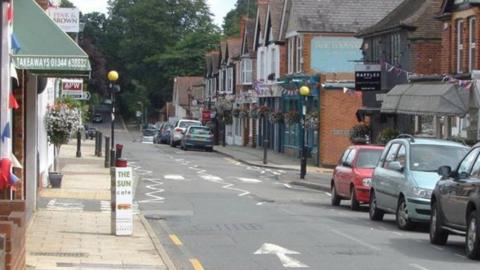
196	264
175	239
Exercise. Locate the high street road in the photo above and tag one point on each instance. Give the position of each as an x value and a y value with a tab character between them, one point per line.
211	212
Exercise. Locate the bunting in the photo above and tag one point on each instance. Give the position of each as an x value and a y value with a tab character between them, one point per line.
13	103
6	132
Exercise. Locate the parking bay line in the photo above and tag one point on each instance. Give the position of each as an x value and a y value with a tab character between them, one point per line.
349	237
174	238
417	266
196	264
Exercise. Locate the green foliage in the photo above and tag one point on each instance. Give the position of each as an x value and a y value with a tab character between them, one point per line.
231	22
359	134
386	135
66	4
148	42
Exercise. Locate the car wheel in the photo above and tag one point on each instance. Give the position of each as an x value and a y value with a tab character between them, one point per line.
335	198
374	213
354	203
472	239
402	219
438	236
172	144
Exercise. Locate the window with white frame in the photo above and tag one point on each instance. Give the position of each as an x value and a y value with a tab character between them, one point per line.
395	49
299	54
246	73
229	81
261	66
273	63
459	44
472	42
291	55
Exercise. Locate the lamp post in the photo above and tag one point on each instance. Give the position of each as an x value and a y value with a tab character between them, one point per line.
142	116
189	93
304	93
113	77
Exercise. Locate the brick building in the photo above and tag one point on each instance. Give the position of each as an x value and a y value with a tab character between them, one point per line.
407	41
321	50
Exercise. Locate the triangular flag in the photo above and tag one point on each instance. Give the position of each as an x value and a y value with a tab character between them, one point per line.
13	71
15	162
15	44
13	103
10	13
6	132
13	179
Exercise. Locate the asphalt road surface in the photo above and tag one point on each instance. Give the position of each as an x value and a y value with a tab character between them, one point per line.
211	212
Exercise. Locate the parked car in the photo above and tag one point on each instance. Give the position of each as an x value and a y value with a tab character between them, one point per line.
405	176
97	118
179	129
197	137
158	127
164	133
90	133
148	135
352	177
455	204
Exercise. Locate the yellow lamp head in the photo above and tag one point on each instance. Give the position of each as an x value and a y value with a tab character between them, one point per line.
304	90
112	76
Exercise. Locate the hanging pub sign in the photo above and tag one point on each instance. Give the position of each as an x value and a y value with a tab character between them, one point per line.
72	88
368	77
68	19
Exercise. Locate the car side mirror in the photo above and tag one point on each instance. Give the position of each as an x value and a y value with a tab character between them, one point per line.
445	171
395	166
346	164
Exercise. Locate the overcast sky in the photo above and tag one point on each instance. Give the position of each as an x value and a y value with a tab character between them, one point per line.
218	7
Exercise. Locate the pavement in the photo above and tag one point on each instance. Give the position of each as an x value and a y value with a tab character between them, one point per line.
71	228
316	178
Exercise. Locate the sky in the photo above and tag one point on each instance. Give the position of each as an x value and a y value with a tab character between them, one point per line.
219	8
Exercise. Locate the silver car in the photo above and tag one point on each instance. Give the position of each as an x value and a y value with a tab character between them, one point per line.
178	130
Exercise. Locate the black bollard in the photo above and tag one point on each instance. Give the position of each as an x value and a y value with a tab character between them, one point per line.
79	144
107	152
100	141
96	143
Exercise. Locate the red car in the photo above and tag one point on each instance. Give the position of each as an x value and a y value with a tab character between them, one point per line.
353	175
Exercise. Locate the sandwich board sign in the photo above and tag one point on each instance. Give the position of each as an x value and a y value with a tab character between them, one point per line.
122	201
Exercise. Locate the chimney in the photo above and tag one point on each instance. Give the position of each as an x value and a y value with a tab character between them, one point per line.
43	4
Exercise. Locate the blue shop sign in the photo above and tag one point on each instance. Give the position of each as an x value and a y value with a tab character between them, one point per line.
335	54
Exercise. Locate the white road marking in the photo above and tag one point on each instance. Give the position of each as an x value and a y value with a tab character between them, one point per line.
287	186
281	253
328	194
249	180
142	172
173	177
417	266
212	178
460	255
438	248
398	233
349	237
230	187
260	203
156	190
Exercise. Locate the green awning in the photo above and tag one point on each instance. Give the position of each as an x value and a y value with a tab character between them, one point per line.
44	47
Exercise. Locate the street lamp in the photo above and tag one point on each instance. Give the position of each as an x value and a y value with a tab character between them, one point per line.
304	93
113	77
141	116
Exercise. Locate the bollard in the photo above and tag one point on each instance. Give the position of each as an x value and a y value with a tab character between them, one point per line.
96	143
113	158
107	152
100	136
79	144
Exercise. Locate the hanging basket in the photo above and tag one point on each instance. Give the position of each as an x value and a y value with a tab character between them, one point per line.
292	117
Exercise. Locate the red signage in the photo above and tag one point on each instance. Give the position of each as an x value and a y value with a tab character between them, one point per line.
72	85
206	115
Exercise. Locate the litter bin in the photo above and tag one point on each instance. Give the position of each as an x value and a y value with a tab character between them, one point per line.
121	163
118	150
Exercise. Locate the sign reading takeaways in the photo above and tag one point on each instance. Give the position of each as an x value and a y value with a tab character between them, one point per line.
51	63
68	19
368	77
72	88
122	193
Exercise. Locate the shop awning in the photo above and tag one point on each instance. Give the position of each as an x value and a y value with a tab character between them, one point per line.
44	47
427	98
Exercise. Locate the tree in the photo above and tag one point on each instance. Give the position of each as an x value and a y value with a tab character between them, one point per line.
66	4
231	22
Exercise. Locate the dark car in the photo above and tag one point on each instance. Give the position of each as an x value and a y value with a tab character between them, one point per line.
97	118
90	133
197	137
456	204
164	133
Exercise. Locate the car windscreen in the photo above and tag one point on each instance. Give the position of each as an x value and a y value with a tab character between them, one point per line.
185	124
368	158
428	158
149	132
199	131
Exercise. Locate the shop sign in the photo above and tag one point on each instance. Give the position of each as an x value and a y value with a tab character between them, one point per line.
335	54
51	63
368	77
68	19
122	201
72	88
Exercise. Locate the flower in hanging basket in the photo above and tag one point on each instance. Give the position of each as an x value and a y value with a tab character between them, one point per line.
276	117
263	111
227	118
243	114
311	119
292	117
236	113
